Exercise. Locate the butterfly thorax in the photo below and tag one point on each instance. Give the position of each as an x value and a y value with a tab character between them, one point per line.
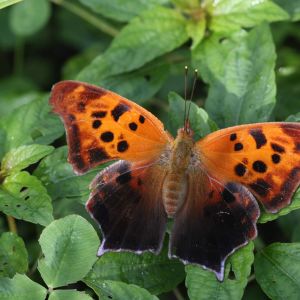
175	183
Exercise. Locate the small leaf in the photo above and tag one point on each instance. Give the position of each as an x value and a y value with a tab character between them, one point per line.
13	255
277	270
152	34
295	204
293	118
232	15
196	30
21	287
29	16
70	247
116	290
203	284
290	6
121	10
240	72
156	273
23	156
201	124
69	295
24	197
31	123
4	3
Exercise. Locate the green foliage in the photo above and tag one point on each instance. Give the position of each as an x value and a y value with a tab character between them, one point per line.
247	56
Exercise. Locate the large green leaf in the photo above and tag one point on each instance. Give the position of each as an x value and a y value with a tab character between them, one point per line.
70	246
200	122
153	33
156	273
295	204
291	6
121	10
13	255
31	123
116	290
21	287
202	284
277	270
4	3
232	15
29	16
23	156
240	72
68	295
24	197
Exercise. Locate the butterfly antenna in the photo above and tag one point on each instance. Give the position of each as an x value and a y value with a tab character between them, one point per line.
192	94
185	93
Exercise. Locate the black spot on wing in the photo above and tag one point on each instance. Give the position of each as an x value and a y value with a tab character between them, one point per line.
259	166
133	126
233	137
81	106
96	124
276	158
107	136
277	148
122	146
97	155
99	114
259	137
119	110
260	187
142	119
238	146
240	170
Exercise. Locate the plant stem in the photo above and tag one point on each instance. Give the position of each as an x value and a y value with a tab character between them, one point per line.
87	16
19	56
177	294
12	224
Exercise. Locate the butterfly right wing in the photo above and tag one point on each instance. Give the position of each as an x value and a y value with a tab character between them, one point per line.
126	201
216	218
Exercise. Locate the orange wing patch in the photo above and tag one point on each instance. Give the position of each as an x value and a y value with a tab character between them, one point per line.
103	126
264	157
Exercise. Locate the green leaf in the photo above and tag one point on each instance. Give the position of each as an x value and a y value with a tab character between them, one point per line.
24	197
121	10
200	121
69	295
240	72
13	255
60	180
203	284
23	156
232	15
21	287
70	247
293	118
196	31
138	44
29	16
295	204
277	270
156	273
116	290
290	6
4	3
31	123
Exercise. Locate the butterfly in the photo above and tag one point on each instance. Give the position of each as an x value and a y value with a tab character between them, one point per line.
208	187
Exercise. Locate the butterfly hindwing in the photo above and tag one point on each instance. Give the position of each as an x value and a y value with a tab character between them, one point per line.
216	218
102	126
264	157
126	201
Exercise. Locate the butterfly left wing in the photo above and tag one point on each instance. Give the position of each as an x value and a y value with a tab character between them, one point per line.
102	126
216	218
264	157
126	201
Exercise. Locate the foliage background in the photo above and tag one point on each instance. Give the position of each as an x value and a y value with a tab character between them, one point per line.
247	53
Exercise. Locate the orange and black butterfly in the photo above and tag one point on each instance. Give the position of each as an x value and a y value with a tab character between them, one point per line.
209	187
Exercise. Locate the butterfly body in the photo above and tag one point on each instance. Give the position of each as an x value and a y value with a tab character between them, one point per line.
209	187
176	181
